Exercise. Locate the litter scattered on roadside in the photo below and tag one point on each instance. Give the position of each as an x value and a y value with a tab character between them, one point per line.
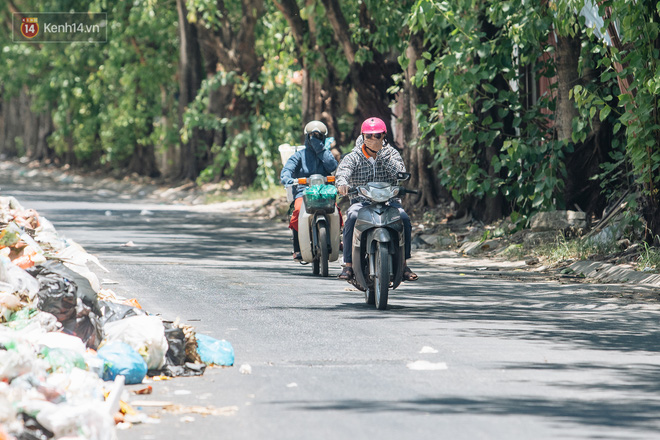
141	391
68	347
245	369
427	366
202	410
214	351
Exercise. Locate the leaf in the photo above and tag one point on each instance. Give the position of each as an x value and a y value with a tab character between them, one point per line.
604	112
489	88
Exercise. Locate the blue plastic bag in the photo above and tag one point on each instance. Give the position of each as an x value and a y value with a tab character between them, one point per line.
214	352
121	358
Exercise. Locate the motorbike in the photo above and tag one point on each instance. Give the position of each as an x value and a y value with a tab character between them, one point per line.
318	223
379	241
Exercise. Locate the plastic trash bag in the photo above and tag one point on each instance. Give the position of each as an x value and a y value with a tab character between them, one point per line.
85	420
17	359
87	326
176	340
145	334
79	386
84	289
61	340
113	311
214	351
48	236
76	259
121	358
186	370
57	295
15	279
62	359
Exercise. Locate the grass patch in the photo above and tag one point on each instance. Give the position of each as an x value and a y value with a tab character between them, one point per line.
649	259
515	252
564	249
222	195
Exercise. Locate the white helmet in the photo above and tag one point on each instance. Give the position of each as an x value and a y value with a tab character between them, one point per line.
316	126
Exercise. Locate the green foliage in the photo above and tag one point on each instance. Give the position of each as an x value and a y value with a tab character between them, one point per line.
476	48
274	116
105	98
633	63
639	31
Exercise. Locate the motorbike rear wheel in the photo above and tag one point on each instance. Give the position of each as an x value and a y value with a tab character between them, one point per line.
382	278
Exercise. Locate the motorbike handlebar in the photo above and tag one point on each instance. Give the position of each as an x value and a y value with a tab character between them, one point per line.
402	191
305	180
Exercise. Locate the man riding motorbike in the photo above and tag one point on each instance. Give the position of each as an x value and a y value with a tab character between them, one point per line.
372	160
313	159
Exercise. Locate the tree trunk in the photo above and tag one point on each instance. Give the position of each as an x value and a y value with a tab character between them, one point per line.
190	78
416	156
491	208
567	56
143	161
370	80
580	191
11	118
319	99
43	152
236	52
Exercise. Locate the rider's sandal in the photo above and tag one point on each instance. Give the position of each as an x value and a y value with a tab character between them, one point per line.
346	274
409	275
297	256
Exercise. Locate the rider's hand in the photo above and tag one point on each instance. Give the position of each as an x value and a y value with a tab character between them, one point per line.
343	190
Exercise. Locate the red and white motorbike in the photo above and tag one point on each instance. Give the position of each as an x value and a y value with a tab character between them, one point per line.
318	226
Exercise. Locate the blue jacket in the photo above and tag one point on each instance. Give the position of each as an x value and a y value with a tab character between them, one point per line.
304	163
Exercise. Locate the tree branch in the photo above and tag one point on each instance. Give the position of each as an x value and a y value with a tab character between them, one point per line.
340	28
291	12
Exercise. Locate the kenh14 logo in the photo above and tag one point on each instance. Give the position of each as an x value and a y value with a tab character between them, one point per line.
30	27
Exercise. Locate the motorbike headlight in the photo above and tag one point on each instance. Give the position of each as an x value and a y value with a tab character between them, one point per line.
378	192
381	194
316	179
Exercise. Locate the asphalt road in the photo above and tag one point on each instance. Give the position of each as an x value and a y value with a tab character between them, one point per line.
498	359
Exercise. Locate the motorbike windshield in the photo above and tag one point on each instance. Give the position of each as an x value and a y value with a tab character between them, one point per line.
379	191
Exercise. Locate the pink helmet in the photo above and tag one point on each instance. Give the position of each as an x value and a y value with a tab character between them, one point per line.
374	125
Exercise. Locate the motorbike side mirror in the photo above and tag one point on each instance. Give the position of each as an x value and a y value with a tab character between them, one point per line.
403	176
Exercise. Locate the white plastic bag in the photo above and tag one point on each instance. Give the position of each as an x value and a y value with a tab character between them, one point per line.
145	334
90	421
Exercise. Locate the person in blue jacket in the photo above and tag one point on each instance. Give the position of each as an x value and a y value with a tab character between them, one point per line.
313	159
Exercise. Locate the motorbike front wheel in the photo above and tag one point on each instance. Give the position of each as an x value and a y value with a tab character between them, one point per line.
382	278
369	294
323	245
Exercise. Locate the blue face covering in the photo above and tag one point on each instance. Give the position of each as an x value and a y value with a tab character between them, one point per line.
316	144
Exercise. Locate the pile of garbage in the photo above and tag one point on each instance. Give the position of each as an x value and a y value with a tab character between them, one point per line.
68	346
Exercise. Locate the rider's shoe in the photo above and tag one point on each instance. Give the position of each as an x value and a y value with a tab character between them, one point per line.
409	275
346	274
297	256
